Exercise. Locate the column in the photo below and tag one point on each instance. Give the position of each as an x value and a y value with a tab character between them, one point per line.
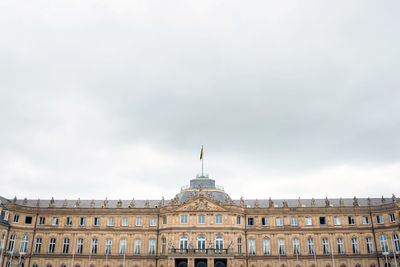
190	262
210	262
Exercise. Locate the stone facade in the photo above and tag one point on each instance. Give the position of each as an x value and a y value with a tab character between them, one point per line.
201	226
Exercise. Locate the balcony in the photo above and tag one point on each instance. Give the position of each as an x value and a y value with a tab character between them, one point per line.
208	251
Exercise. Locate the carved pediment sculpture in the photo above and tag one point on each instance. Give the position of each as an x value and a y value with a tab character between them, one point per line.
201	204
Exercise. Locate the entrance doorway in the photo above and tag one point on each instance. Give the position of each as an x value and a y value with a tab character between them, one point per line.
181	262
220	262
200	262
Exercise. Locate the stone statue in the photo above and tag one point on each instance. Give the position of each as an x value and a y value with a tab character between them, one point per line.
105	203
256	204
393	198
341	202
132	203
147	204
65	203
51	204
327	202
77	203
15	200
92	203
383	200
285	204
299	204
369	201
270	203
25	202
38	203
241	202
119	204
313	203
355	202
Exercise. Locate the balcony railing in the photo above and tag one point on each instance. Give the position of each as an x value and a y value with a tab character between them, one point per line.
208	251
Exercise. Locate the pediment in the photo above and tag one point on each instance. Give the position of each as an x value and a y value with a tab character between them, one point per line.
201	204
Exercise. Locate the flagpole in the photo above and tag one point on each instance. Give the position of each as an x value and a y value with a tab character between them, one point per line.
202	161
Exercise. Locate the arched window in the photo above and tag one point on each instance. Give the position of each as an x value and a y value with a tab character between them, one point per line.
387	264
183	242
384	244
201	242
358	265
24	245
219	242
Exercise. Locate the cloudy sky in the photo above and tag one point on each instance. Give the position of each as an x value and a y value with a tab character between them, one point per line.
115	98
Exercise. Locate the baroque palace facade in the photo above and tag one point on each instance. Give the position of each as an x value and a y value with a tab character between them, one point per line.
202	226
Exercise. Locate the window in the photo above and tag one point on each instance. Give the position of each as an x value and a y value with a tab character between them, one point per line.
24	245
124	221
322	220
340	246
82	221
354	244
370	248
252	247
396	243
365	220
279	221
336	220
310	243
52	245
264	221
38	245
79	247
42	220
93	247
16	218
250	221
122	246
308	220
238	220
28	220
108	246
218	219
137	246
201	242
293	221
153	221
392	218
201	219
219	242
239	242
110	221
281	247
351	220
296	246
54	221
267	247
96	221
139	221
11	243
3	238
163	245
152	246
183	242
325	246
65	246
68	221
384	244
164	219
184	219
379	219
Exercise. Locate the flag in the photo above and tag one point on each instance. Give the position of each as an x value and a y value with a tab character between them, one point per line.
201	153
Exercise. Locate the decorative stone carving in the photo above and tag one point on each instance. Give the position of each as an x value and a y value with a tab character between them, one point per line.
119	204
327	202
147	204
313	204
393	198
341	202
15	200
105	203
65	203
78	203
51	203
355	202
162	202
132	204
92	203
369	201
285	204
383	200
241	202
25	202
270	203
228	200
38	203
299	204
201	204
256	204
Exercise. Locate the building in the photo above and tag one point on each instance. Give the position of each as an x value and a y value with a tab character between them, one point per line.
202	226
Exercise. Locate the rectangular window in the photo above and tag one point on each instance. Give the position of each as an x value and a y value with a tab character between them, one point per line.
293	221
93	247
396	243
139	221
164	220
52	245
325	246
152	246
308	220
184	219
163	245
96	221
79	247
250	221
11	243
265	221
54	221
218	219
108	246
322	220
267	247
153	221
351	220
137	246
110	221
28	220
281	247
3	238
379	219
65	246
354	244
238	220
370	248
38	245
16	218
201	219
239	242
122	246
82	221
311	249
296	246
384	244
392	218
279	221
42	220
340	246
24	245
124	221
68	221
252	247
336	220
365	220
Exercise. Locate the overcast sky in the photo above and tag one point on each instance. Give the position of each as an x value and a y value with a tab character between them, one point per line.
115	98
